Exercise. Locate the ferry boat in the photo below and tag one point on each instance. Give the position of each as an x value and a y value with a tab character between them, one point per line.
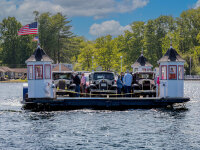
40	92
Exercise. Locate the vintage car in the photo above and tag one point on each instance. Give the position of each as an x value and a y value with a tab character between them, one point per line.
63	81
101	83
144	84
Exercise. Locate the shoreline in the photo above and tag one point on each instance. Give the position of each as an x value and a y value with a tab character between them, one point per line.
14	81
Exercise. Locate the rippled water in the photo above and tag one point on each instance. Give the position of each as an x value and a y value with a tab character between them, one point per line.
92	129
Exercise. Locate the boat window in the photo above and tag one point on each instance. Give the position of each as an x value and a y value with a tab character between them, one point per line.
163	73
180	72
149	69
30	72
38	71
136	70
172	72
47	70
144	69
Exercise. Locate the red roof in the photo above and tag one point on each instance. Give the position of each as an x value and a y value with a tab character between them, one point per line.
5	69
63	68
19	70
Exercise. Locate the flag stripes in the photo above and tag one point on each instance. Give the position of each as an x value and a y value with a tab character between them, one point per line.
29	29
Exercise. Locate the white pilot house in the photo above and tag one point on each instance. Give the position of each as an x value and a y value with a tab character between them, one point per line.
39	74
171	74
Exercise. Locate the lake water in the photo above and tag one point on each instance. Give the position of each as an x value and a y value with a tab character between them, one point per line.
93	129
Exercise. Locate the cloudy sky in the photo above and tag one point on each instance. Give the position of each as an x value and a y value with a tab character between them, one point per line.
94	18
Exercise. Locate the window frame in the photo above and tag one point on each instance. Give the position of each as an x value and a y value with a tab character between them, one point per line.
144	69
28	72
181	66
149	69
135	69
169	72
36	72
165	72
45	73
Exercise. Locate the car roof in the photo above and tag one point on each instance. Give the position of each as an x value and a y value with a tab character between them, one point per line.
62	71
103	72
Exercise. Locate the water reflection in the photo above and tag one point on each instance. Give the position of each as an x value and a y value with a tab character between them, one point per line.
97	129
41	115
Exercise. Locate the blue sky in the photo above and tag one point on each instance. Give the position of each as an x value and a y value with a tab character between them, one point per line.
93	18
152	10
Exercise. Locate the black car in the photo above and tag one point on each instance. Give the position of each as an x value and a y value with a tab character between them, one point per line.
101	83
63	80
144	84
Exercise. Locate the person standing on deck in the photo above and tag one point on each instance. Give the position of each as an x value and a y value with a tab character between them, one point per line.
83	83
127	83
122	76
119	85
158	85
76	80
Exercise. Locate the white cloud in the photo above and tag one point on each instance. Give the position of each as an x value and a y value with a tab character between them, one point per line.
23	9
111	27
197	4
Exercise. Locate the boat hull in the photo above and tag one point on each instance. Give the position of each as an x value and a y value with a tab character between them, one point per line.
99	103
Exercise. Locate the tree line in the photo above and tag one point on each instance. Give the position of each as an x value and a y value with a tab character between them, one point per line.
62	45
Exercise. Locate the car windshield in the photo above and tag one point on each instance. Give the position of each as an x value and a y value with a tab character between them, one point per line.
57	76
145	76
109	76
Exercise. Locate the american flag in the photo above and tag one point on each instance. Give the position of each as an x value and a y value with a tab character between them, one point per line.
29	29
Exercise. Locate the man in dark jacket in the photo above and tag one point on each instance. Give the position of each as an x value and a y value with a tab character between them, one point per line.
76	80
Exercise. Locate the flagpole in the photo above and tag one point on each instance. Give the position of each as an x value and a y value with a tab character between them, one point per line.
38	42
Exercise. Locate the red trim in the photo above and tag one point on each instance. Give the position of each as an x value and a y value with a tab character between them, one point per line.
165	72
45	71
41	74
28	71
169	72
182	72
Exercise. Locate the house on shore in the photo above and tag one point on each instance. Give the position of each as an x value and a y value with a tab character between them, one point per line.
12	73
61	67
141	64
19	73
6	72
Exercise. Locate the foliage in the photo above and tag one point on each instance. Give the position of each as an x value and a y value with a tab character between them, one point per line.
15	49
106	53
153	36
54	34
85	57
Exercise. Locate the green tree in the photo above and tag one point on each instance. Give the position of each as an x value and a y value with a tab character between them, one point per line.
55	34
150	42
85	57
188	27
133	43
15	49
